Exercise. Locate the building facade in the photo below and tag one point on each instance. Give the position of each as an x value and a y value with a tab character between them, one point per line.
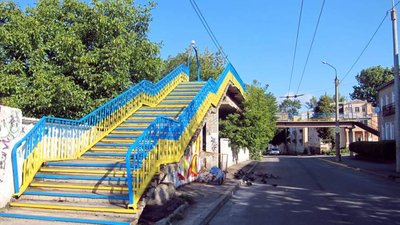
386	96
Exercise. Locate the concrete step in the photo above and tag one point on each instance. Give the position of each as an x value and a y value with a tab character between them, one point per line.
122	136
134	124
183	93
77	190
85	171
82	164
176	101
110	208
173	103
93	187
154	109
33	219
90	217
108	179
179	98
140	117
86	198
114	155
137	131
113	145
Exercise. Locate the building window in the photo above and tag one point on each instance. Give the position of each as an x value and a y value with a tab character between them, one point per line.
381	104
357	109
363	109
387	100
387	131
392	97
383	132
391	131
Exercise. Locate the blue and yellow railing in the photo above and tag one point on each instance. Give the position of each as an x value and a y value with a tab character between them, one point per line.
165	140
60	139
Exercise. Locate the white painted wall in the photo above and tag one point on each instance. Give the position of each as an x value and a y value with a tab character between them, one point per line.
231	157
12	128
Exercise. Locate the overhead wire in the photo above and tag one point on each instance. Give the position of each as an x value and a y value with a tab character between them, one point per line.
208	29
369	42
295	46
365	48
311	46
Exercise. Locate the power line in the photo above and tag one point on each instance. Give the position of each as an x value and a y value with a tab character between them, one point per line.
366	46
312	43
208	29
295	46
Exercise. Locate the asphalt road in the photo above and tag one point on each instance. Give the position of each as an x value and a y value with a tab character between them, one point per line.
311	191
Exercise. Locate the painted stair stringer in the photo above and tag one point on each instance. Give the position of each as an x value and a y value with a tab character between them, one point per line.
170	148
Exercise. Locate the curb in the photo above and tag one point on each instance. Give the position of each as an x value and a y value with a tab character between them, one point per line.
167	220
360	169
206	217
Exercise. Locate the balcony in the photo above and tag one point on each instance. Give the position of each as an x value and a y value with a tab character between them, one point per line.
388	110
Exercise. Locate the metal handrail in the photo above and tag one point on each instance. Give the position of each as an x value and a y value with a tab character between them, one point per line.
165	139
58	139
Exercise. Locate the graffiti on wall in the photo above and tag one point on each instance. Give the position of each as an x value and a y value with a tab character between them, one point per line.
10	123
10	129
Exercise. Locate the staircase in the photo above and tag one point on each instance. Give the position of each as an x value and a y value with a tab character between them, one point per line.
103	185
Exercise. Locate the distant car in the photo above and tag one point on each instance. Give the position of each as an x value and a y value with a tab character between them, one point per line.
275	151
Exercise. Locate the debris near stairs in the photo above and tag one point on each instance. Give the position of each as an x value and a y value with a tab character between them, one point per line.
214	176
248	178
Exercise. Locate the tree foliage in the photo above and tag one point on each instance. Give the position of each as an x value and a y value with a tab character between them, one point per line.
368	82
212	64
324	109
64	58
255	127
312	103
290	106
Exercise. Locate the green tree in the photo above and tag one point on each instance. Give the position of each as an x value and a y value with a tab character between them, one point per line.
64	58
368	82
256	126
324	110
290	106
212	64
312	103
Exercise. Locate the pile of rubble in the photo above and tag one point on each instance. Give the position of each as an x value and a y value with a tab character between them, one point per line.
248	178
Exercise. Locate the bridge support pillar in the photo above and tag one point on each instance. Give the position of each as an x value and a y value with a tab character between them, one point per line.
351	138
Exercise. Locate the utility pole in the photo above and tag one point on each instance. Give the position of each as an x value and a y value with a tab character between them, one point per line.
337	128
396	86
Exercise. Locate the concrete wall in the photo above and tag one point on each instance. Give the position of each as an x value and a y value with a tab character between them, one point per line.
12	128
229	156
211	126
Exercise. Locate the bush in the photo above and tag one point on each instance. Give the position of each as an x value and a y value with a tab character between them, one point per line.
385	150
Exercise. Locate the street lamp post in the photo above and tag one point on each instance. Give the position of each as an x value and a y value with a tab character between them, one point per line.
193	46
337	129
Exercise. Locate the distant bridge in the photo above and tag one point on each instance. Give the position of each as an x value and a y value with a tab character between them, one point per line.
342	124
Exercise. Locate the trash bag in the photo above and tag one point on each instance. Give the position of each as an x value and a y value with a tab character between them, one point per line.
218	175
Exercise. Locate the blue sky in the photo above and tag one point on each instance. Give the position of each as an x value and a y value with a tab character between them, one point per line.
259	38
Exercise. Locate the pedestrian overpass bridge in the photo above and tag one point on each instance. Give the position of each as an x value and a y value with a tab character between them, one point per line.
318	124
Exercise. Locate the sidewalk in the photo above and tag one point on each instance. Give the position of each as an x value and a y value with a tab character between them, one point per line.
382	169
209	198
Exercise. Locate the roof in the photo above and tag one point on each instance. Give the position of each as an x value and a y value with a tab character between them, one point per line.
383	86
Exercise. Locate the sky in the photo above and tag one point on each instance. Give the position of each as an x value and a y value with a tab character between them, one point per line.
259	38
